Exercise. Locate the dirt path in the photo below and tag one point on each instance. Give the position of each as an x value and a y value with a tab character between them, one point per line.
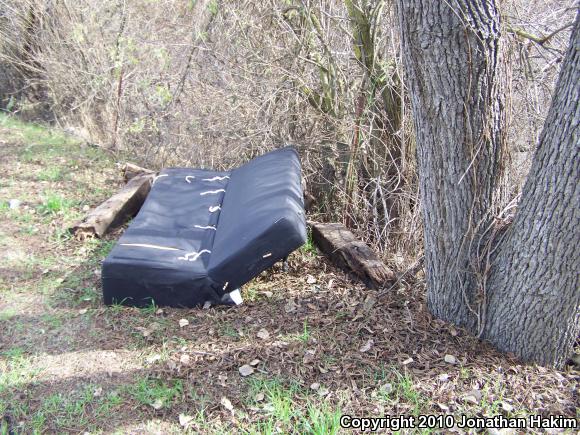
319	345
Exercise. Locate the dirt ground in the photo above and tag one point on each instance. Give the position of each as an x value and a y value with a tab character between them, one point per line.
306	347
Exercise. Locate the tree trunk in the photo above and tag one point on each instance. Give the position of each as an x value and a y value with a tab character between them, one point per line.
517	287
534	294
452	60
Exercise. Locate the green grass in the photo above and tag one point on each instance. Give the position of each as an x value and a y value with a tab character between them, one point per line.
309	247
396	387
151	391
54	204
15	369
290	408
73	411
227	330
51	173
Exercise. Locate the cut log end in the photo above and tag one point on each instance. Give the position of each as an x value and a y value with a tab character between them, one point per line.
352	255
115	210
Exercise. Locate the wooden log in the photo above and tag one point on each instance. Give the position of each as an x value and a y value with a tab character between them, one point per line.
350	254
115	210
130	171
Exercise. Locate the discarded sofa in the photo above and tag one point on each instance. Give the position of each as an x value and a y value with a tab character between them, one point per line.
201	234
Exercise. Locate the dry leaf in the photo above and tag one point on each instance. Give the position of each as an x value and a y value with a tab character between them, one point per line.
310	280
157	405
308	356
408	361
227	404
259	397
98	392
315	386
184	359
83	311
450	359
443	377
263	334
151	359
369	303
290	306
507	407
183	323
474	396
254	362
206	305
246	370
184	420
367	346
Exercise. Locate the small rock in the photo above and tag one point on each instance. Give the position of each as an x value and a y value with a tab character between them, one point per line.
310	280
86	208
14	204
159	311
246	370
206	305
263	334
184	359
254	362
259	397
450	359
315	386
83	311
183	323
443	407
408	361
98	392
268	294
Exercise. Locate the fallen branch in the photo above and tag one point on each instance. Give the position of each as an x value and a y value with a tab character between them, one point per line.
115	210
350	254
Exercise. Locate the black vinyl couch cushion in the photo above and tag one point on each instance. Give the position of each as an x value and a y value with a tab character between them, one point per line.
201	234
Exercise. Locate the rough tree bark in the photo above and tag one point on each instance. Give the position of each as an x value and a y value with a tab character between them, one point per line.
516	287
534	293
452	60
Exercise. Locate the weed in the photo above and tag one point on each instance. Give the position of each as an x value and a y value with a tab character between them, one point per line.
149	309
54	204
309	247
305	336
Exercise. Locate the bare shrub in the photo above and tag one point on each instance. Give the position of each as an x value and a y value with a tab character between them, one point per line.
213	83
